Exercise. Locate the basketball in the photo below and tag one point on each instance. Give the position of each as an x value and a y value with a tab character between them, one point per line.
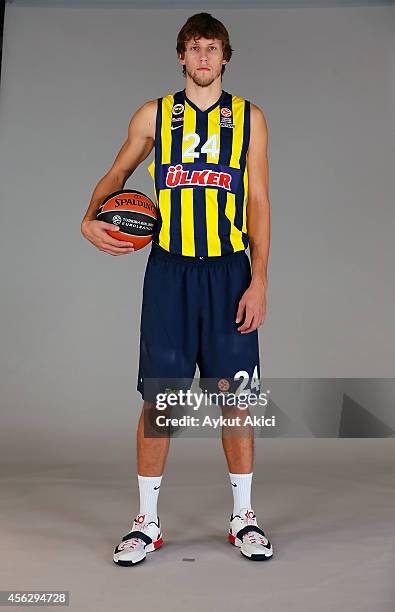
133	212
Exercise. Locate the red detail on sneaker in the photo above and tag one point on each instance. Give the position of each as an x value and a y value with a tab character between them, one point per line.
232	538
158	543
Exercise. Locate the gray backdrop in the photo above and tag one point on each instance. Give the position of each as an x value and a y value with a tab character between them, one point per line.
70	314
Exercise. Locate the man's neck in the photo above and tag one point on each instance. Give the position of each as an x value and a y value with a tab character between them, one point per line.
203	97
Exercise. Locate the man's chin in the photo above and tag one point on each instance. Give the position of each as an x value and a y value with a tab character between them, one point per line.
203	81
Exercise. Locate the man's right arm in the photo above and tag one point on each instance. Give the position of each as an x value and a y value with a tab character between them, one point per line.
136	148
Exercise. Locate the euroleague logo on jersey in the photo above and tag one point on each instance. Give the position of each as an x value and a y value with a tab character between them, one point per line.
178	177
226	118
226	112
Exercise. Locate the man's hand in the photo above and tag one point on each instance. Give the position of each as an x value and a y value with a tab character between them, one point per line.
253	303
96	232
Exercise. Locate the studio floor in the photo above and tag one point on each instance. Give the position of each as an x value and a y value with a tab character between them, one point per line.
326	504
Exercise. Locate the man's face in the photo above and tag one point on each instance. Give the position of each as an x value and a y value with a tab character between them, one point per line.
203	60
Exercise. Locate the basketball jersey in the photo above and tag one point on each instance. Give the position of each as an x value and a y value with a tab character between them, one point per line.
200	175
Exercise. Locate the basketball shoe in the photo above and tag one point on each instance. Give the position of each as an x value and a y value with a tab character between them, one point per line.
145	536
246	535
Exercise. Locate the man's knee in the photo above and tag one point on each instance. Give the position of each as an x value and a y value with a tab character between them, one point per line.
150	414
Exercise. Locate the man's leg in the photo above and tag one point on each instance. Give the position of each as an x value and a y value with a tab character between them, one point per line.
238	447
225	353
145	534
151	452
238	444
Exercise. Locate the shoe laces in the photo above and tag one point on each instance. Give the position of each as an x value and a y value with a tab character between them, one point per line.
252	535
249	518
132	543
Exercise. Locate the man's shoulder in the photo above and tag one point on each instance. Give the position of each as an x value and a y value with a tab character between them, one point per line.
236	97
147	112
143	120
257	115
255	110
149	106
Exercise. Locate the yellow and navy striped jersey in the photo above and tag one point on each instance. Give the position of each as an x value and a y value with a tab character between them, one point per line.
200	175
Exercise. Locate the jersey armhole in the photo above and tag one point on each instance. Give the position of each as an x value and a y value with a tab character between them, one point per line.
151	166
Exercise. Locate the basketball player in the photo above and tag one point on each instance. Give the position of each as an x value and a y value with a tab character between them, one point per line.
210	159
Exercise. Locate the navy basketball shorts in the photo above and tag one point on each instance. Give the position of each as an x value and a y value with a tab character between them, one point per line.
188	318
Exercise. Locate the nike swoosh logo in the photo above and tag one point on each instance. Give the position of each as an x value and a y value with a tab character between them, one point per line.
176	127
233	485
155	488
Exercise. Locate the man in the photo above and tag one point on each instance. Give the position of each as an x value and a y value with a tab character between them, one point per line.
202	301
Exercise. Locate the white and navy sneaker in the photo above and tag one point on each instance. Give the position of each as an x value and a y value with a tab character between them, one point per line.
246	535
145	536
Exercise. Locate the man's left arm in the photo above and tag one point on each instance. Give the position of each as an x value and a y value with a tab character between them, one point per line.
253	301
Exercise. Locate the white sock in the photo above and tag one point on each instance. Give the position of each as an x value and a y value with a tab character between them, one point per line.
241	487
149	487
